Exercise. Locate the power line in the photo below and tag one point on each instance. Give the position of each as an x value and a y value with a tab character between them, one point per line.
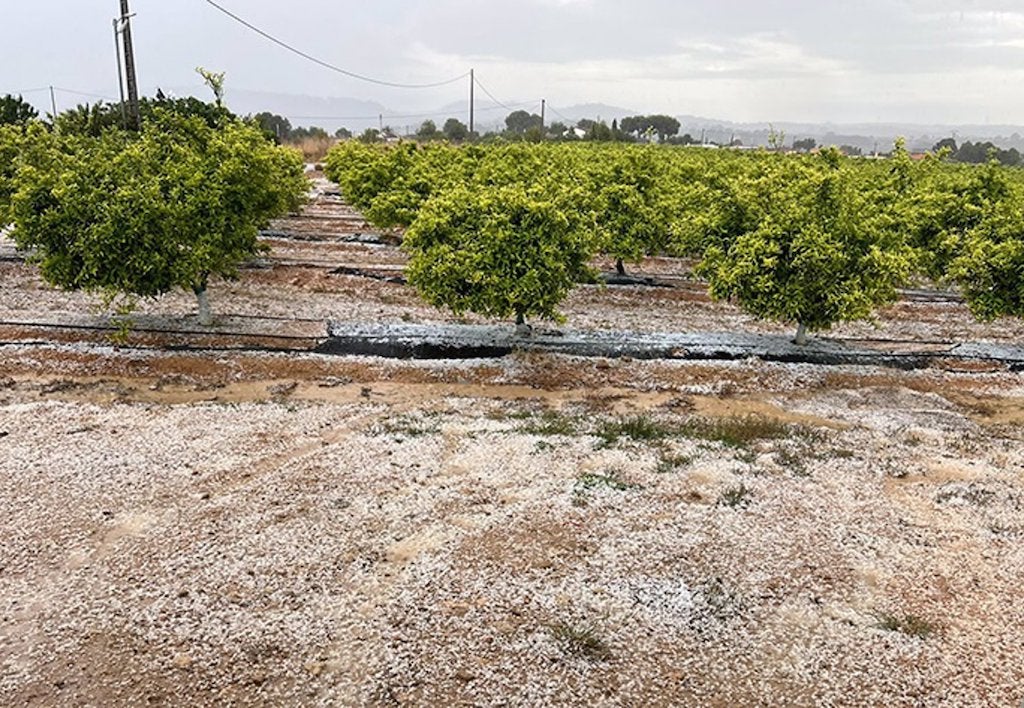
86	95
413	115
31	90
328	65
489	94
553	110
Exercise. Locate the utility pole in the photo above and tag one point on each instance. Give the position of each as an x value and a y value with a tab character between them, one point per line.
472	106
129	67
53	104
120	74
543	108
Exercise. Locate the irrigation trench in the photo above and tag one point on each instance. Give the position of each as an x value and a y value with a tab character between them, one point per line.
437	341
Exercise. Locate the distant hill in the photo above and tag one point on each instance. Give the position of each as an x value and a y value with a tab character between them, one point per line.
328	113
357	115
867	136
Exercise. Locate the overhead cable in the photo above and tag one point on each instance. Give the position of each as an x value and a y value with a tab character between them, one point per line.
31	90
555	111
411	115
86	95
327	65
489	94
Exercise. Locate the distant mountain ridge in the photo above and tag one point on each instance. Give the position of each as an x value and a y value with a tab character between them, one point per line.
357	115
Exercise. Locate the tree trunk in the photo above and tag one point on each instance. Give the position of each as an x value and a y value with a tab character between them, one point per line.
801	335
522	329
620	267
205	315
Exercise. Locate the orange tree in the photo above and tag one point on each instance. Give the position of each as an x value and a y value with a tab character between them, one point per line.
135	215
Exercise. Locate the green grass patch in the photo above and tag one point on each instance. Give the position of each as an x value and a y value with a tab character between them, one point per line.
408	426
910	625
640	428
589	482
669	463
551	423
580	640
742	431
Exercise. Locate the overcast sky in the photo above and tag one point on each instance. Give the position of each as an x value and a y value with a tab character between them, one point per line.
923	61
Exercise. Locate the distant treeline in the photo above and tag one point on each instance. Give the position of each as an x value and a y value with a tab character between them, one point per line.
977	153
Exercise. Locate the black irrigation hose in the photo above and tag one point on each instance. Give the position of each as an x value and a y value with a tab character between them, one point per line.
681	281
244	348
331	345
309	320
141	330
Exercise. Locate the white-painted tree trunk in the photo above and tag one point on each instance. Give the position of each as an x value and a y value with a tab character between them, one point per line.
205	315
801	335
522	329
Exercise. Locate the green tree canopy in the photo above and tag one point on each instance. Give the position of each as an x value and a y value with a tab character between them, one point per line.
805	145
631	205
808	244
455	130
141	214
663	126
11	138
14	110
93	119
428	131
274	126
313	132
972	234
499	252
518	122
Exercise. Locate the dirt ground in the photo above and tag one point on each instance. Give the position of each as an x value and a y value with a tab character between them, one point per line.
233	527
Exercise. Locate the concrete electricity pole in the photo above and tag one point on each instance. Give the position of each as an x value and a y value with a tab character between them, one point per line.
472	104
131	78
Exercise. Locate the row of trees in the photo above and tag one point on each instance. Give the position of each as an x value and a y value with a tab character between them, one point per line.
530	126
519	125
93	119
977	153
506	230
280	129
134	215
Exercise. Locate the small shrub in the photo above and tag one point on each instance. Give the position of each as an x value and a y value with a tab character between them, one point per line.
543	446
640	428
580	640
551	423
409	427
971	494
671	462
736	497
793	460
589	481
910	625
741	431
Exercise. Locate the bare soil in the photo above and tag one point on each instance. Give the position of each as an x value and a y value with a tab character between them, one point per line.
248	527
